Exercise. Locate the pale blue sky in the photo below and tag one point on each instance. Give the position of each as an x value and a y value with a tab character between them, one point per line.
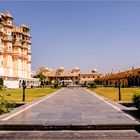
87	34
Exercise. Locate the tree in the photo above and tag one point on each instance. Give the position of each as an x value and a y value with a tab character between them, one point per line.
41	76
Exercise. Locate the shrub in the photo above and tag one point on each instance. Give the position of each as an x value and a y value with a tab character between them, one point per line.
4	105
92	85
136	100
1	83
55	85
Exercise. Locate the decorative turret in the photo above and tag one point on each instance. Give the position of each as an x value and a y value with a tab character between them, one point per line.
24	26
8	15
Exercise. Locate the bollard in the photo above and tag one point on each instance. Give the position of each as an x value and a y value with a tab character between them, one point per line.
24	87
119	83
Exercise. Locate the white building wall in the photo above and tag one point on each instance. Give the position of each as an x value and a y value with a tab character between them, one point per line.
1	65
10	61
11	84
19	68
1	71
29	70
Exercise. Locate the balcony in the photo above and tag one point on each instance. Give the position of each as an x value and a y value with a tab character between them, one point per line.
1	50
29	61
24	46
16	54
17	43
7	38
24	56
8	24
1	30
29	53
29	41
26	34
7	51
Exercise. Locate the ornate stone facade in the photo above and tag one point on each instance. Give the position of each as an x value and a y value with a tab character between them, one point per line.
15	48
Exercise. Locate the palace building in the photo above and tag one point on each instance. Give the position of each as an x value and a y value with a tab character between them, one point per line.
126	78
74	75
15	51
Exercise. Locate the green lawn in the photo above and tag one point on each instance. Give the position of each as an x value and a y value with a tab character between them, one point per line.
15	95
112	93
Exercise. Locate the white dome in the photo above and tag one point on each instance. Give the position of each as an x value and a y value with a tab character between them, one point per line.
77	68
61	68
94	70
47	69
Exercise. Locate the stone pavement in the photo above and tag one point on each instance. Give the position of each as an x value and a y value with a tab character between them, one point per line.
70	135
69	107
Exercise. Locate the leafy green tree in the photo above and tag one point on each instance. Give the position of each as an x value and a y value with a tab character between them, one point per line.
41	76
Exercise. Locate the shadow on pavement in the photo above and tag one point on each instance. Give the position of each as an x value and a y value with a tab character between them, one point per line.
132	111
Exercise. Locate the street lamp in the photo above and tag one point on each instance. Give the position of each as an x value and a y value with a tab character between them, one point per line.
24	87
119	86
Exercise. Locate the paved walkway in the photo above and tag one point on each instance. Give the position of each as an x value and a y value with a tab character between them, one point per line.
69	107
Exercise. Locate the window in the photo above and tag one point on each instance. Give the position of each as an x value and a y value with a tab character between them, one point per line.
14	36
88	76
10	48
93	76
83	76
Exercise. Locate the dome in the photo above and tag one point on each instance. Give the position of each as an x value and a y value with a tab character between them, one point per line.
24	26
94	70
42	68
7	14
47	69
61	68
77	68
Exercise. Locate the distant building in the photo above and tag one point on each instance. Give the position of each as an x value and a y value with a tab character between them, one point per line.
15	51
127	78
74	75
59	74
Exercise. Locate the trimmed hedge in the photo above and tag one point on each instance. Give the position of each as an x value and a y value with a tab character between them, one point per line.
136	100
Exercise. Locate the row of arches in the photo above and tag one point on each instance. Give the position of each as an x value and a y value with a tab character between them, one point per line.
124	82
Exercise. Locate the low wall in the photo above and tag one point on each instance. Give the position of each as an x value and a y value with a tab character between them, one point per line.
11	83
17	83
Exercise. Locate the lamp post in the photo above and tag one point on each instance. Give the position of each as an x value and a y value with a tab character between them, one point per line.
24	87
119	83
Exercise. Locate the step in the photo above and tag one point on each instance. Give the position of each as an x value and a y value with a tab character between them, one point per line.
68	127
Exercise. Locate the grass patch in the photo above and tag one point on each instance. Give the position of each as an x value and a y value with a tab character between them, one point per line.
15	95
112	93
